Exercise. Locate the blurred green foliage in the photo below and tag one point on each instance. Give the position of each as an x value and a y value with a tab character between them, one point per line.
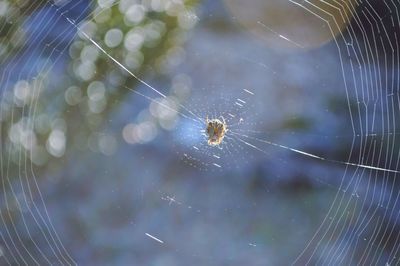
55	114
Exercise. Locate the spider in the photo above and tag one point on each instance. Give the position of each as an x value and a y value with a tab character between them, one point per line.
215	130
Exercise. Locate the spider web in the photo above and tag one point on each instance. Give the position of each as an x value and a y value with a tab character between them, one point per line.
165	124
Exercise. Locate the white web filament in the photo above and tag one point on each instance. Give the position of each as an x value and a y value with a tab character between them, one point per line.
198	119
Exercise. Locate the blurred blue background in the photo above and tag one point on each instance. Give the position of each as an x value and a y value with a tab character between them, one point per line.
95	162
